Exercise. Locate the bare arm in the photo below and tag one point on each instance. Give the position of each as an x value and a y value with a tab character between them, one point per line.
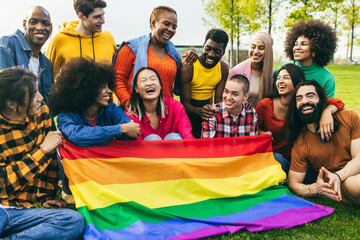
353	166
190	57
186	74
221	85
319	187
326	124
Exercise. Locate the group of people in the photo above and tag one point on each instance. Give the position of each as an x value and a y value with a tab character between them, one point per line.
315	140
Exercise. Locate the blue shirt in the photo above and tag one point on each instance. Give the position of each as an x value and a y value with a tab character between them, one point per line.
15	51
76	128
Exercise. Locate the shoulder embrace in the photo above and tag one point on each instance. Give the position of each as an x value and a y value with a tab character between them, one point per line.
224	67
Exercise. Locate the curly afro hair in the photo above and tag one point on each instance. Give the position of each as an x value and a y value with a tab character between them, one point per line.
79	83
322	38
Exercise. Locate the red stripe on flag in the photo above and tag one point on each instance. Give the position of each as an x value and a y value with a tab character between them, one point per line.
195	148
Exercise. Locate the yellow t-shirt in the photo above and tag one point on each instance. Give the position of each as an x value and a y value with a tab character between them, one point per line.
204	81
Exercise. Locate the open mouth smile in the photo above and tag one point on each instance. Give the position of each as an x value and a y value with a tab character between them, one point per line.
150	90
307	109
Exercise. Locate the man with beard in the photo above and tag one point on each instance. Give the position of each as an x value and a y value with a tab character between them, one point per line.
199	81
82	38
23	49
337	160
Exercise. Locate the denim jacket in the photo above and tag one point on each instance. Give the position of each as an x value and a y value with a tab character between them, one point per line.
15	51
76	128
140	46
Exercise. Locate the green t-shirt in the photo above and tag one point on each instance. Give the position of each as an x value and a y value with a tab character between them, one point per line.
320	74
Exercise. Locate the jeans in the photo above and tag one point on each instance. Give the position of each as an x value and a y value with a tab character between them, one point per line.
285	165
64	179
40	223
311	175
170	136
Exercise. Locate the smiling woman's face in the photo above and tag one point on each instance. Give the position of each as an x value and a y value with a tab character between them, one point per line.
164	27
104	96
148	85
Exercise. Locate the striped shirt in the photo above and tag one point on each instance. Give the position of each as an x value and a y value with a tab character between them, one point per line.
223	124
27	173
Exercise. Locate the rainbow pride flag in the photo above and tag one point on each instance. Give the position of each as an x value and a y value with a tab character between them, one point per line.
182	189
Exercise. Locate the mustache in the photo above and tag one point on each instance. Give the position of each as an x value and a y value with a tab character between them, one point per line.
307	105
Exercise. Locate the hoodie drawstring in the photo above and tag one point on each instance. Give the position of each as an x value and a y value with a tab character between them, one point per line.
80	46
92	38
93	46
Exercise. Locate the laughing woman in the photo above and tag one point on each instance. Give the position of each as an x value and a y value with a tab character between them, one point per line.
271	112
153	50
81	98
28	169
159	118
258	68
311	45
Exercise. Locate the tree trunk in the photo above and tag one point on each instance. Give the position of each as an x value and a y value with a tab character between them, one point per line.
232	35
270	14
352	29
238	41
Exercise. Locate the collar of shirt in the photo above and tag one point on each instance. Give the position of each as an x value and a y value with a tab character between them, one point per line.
226	114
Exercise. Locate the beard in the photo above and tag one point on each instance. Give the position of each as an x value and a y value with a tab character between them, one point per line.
309	118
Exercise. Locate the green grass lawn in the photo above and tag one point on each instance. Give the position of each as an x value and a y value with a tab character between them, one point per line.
347	85
344	223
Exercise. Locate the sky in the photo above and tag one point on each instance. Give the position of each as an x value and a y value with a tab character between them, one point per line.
129	20
124	21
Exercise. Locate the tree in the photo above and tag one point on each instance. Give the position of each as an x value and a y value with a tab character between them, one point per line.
350	13
304	10
333	15
234	16
271	6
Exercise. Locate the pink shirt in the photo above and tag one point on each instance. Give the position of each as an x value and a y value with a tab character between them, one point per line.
244	68
92	121
175	121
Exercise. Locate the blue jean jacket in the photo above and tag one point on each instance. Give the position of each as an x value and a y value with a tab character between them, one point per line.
15	51
76	128
140	46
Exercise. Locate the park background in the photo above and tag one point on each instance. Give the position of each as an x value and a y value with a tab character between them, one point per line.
128	19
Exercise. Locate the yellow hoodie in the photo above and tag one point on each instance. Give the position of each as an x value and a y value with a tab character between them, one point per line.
68	43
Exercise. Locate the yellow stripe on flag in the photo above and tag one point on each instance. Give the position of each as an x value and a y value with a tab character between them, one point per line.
175	192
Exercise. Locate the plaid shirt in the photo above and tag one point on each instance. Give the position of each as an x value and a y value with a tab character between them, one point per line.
27	173
225	125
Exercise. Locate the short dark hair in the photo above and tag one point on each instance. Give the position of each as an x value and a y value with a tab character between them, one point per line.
88	6
157	11
293	122
78	84
323	40
136	104
217	35
297	76
14	83
241	79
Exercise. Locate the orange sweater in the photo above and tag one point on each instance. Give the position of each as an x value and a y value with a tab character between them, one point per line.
124	66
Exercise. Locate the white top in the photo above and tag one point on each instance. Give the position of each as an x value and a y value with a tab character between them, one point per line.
254	86
34	66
